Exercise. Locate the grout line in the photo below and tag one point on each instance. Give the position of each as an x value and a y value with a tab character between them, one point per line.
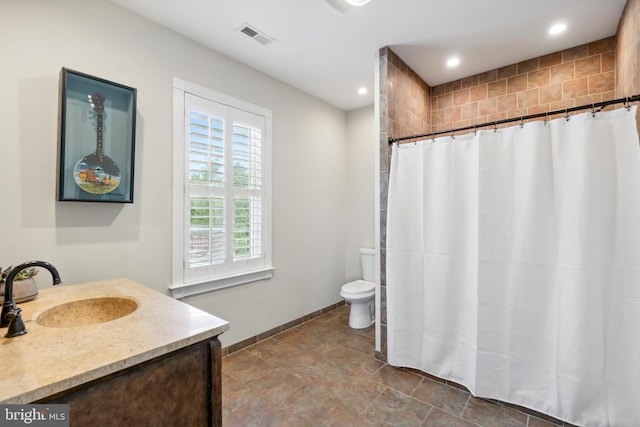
378	370
428	413
374	399
465	407
416	387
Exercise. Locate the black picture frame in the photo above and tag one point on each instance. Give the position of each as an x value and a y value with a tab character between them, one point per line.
97	139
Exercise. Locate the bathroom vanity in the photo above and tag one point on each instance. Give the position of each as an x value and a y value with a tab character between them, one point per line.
119	354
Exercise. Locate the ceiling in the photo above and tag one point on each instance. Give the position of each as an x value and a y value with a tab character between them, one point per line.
330	54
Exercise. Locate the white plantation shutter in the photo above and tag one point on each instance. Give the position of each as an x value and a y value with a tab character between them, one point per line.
225	232
206	181
247	192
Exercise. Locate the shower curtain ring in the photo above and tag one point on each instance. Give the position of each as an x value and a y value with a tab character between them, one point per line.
627	103
495	126
593	110
475	130
546	117
566	114
521	122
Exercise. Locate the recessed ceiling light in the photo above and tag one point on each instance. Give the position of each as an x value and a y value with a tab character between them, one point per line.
345	5
557	29
362	91
452	62
357	2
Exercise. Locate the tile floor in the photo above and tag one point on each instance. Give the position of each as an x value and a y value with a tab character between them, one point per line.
322	373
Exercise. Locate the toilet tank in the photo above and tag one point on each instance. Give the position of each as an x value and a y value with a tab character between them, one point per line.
367	264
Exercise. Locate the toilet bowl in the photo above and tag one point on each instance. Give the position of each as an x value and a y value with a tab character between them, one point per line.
361	293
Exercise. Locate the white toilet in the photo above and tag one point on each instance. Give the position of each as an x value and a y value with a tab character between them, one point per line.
360	293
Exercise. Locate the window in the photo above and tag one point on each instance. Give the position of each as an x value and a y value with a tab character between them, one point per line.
221	189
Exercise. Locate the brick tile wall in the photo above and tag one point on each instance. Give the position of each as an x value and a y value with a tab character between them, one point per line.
581	75
408	99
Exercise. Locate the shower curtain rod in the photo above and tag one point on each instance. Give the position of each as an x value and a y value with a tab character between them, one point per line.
601	105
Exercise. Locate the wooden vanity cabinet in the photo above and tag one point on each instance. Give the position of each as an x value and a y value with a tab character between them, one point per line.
181	388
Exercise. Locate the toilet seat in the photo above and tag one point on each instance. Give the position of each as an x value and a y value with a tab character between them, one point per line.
360	295
358	287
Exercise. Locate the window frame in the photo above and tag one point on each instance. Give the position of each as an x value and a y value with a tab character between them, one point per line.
181	285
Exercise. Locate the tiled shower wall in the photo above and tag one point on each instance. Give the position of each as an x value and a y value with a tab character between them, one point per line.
404	110
577	76
408	99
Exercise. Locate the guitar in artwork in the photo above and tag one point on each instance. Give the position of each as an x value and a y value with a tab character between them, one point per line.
97	173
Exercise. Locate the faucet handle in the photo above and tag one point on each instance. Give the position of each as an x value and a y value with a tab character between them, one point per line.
16	324
13	313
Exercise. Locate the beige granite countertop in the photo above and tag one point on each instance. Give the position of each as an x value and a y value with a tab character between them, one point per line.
50	360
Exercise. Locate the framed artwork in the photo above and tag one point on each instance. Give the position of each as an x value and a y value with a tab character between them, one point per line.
97	139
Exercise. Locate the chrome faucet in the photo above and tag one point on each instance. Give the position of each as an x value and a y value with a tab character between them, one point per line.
10	312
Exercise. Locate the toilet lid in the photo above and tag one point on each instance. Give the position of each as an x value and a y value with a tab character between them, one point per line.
358	287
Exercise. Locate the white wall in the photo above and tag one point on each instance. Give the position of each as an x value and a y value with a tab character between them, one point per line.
359	215
92	241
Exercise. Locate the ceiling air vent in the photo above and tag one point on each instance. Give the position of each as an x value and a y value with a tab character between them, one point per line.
256	34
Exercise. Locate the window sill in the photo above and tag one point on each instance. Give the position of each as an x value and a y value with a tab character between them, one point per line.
188	289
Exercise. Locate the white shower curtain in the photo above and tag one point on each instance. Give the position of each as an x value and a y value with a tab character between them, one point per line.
513	265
